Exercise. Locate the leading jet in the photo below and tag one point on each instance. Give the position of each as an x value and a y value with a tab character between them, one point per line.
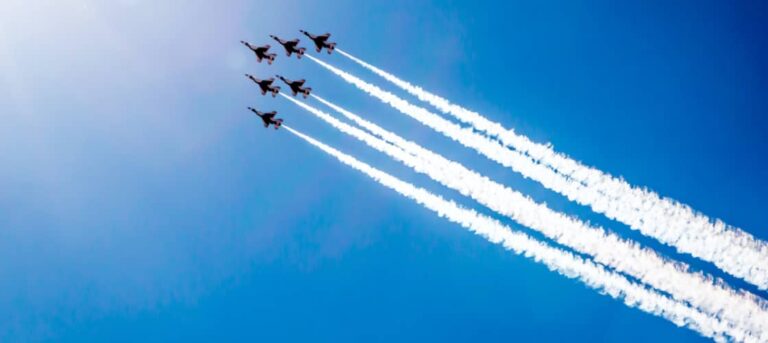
268	118
265	85
261	52
291	46
321	41
296	86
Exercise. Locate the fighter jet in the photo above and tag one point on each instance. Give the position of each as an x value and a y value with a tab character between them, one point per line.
321	41
290	46
268	118
296	86
261	52
265	85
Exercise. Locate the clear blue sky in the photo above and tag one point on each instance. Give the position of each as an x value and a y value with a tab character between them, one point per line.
141	201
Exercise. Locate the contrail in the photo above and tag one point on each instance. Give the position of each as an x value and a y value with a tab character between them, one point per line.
562	262
742	308
734	251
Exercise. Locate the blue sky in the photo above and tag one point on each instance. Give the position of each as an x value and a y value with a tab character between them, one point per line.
140	201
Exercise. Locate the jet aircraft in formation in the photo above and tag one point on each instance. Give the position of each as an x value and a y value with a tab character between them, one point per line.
296	86
268	118
265	85
261	52
291	47
321	41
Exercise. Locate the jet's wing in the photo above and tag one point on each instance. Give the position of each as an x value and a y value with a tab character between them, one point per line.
269	115
292	43
300	82
324	37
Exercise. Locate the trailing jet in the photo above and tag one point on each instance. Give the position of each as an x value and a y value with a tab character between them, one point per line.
321	41
268	118
296	86
261	52
265	85
290	46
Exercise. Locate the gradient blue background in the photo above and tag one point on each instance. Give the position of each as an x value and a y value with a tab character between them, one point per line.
140	201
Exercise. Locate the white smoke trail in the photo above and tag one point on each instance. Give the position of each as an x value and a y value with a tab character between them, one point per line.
731	249
562	262
742	309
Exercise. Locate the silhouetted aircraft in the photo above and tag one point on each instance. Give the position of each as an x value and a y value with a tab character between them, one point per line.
296	86
290	46
265	85
321	41
261	52
268	118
